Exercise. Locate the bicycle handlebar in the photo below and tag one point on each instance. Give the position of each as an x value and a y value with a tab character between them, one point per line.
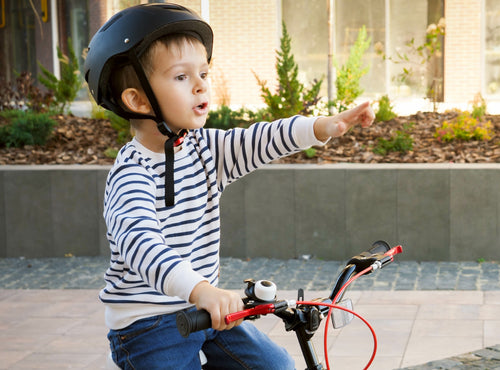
379	255
192	321
367	258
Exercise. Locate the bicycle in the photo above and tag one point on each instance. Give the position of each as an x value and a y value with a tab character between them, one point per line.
303	317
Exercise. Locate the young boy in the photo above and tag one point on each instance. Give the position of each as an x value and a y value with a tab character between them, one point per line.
150	64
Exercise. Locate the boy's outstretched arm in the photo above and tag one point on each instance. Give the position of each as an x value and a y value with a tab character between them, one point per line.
326	127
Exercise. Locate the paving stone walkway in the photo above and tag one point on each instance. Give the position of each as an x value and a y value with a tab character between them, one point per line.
87	273
74	273
485	359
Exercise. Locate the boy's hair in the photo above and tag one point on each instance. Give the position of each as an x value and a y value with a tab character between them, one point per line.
125	77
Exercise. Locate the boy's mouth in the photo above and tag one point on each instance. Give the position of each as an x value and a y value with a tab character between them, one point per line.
201	108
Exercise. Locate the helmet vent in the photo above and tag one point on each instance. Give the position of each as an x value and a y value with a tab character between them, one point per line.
111	22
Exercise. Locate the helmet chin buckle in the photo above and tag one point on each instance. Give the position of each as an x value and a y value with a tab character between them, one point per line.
164	129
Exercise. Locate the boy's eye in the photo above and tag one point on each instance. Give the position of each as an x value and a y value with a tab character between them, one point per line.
204	75
181	77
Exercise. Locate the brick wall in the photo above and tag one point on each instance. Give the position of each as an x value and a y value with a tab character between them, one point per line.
194	5
462	57
246	37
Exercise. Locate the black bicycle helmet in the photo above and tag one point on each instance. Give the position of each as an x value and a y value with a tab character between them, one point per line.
122	40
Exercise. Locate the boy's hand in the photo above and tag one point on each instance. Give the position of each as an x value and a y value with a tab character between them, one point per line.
326	127
218	302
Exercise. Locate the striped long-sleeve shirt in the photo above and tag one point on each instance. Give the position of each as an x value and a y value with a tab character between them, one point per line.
159	253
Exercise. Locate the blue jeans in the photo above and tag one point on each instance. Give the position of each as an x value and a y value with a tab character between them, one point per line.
155	343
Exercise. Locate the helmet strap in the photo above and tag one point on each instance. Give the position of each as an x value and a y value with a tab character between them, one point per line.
174	139
141	75
170	143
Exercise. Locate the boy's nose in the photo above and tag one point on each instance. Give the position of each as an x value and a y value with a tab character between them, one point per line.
200	86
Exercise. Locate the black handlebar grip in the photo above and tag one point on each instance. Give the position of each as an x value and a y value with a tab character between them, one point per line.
189	322
379	247
367	258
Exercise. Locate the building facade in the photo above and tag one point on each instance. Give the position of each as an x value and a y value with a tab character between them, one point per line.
247	35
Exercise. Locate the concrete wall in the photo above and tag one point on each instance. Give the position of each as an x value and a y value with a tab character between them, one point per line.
437	212
50	211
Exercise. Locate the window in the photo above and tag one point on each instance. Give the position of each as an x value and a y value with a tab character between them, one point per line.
492	48
74	26
17	40
371	14
410	20
390	24
307	22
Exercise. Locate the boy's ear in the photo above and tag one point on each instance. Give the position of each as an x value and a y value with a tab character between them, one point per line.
136	101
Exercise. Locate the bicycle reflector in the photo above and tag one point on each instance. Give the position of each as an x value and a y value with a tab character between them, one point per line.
341	318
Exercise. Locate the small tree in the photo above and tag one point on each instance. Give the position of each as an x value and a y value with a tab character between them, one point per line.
349	75
65	88
420	60
291	96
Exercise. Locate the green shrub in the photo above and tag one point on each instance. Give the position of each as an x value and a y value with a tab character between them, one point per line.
121	125
25	128
384	112
66	88
309	152
4	134
97	112
225	118
464	127
111	153
478	107
401	141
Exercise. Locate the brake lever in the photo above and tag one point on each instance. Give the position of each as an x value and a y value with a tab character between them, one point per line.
378	260
256	311
388	257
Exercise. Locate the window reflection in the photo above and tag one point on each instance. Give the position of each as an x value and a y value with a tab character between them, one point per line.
492	47
17	40
390	29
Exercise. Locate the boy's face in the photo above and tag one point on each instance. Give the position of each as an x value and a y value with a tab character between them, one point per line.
180	82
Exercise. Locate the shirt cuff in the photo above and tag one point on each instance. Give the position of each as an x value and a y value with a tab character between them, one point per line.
303	133
182	280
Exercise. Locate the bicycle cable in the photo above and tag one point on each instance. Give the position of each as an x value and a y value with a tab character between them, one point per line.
333	306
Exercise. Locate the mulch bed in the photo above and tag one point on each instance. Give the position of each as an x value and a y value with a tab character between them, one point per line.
76	140
80	140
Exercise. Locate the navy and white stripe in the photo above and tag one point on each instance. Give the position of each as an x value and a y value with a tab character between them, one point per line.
159	253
